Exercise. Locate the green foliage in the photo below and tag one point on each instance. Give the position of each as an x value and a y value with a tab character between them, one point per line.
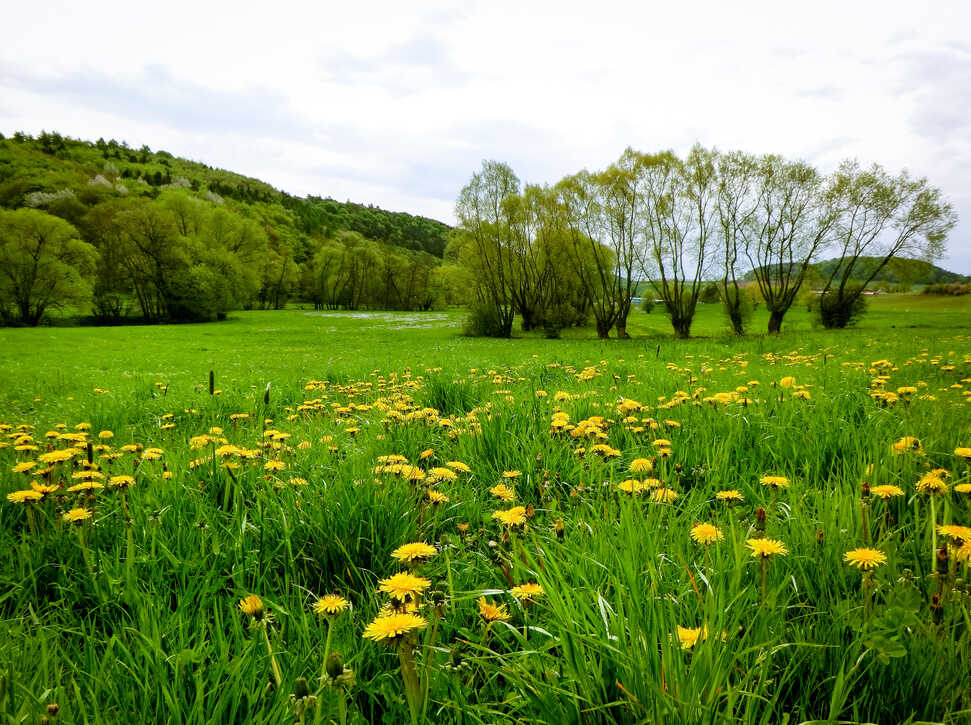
839	308
647	302
228	241
954	289
43	266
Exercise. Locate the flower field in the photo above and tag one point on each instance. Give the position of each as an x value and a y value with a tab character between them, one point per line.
350	520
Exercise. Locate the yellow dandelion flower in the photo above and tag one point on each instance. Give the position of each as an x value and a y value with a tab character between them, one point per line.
886	491
641	465
511	474
932	484
252	605
392	626
85	486
787	382
630	486
953	531
426	454
516	516
403	586
706	533
436	497
664	495
688	636
503	492
964	453
44	488
764	548
24	467
527	593
331	605
105	435
27	496
865	558
441	473
121	481
774	482
963	552
908	444
76	515
459	466
274	465
730	496
416	552
491	612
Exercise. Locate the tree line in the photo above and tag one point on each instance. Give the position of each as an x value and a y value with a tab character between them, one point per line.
124	233
559	254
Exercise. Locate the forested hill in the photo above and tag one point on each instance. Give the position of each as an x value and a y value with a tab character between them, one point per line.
52	164
898	271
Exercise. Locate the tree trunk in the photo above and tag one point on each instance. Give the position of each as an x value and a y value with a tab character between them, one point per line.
603	329
682	327
775	321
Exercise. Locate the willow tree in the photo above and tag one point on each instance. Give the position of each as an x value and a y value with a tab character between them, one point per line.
485	237
789	231
44	265
581	218
883	217
736	207
679	229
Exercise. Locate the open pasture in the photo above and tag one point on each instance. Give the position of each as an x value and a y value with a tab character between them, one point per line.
632	531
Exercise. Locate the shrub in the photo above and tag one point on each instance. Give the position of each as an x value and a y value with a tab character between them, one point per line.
954	289
484	320
840	309
647	303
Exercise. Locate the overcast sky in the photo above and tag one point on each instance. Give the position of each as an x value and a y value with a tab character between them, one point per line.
398	106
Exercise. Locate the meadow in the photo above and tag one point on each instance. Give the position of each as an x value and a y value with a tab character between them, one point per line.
365	517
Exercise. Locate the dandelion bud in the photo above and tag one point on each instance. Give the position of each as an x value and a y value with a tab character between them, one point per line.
52	709
212	382
559	528
530	511
865	490
463	529
334	665
819	537
942	559
266	395
760	517
300	688
456	656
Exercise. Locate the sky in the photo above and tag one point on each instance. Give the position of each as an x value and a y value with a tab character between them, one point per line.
397	104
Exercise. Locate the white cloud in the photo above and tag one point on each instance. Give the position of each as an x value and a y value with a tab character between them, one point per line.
386	104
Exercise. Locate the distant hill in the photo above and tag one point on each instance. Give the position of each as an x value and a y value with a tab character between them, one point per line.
898	271
52	163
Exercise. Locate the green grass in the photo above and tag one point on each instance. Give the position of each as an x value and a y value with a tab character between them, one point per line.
134	616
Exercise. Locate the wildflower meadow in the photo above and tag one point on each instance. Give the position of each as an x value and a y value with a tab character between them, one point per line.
339	518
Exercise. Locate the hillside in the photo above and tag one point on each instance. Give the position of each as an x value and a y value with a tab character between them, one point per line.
136	234
899	271
51	163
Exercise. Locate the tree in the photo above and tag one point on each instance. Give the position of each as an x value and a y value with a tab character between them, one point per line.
679	229
791	228
485	238
882	216
43	265
736	205
581	219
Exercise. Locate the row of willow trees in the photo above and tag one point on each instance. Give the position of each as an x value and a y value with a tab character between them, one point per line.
179	257
558	255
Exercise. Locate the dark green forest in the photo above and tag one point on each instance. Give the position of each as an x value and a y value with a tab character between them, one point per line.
106	232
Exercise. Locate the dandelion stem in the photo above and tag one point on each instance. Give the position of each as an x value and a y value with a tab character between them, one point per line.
933	536
277	677
409	676
762	566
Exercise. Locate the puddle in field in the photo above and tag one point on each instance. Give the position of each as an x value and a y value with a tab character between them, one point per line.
392	320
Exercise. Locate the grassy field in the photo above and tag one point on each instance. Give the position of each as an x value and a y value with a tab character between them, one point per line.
130	597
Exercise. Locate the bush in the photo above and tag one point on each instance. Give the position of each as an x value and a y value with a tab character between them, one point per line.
954	289
647	304
710	294
484	320
838	310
